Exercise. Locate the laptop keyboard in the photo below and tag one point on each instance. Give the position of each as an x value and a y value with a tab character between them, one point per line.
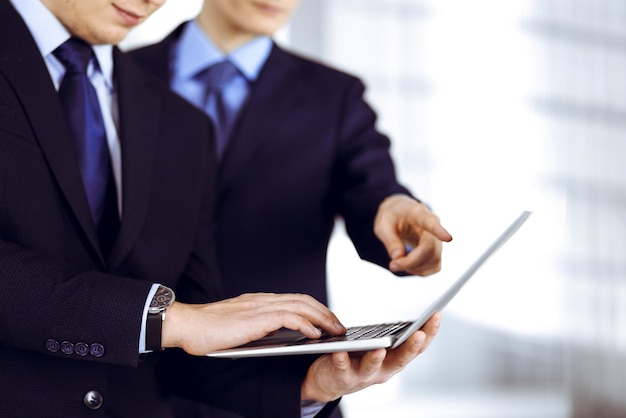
370	331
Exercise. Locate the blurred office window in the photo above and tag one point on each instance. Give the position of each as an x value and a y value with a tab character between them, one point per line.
493	107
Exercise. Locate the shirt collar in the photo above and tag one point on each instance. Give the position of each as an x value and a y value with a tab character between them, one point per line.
49	33
195	52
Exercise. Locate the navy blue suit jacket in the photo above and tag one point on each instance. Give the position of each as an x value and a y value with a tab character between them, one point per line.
60	293
304	151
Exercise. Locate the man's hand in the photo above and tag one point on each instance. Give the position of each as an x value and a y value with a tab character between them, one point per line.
401	221
335	375
200	329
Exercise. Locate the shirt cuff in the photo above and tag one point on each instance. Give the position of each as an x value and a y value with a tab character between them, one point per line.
308	409
142	333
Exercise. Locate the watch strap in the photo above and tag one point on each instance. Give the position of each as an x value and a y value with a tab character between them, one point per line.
154	328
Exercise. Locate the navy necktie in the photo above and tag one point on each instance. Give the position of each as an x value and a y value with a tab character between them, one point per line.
85	119
215	78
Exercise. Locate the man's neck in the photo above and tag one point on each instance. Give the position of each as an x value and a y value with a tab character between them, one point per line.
223	36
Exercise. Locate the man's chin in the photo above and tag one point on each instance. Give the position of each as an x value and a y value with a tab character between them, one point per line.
111	37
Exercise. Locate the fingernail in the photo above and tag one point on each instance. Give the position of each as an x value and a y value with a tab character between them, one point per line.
394	267
446	234
396	253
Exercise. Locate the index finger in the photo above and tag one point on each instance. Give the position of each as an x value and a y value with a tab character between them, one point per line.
308	308
431	223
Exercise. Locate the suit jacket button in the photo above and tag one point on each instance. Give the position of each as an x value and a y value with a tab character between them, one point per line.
96	350
52	345
81	349
93	399
67	347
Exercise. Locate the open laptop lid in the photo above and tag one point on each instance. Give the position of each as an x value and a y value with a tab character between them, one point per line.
288	342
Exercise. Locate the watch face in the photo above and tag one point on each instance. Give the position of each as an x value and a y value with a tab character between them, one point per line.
162	299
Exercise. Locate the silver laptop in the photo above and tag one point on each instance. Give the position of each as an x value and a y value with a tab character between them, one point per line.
368	337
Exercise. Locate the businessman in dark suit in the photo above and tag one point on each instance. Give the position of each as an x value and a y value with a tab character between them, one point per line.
85	310
300	149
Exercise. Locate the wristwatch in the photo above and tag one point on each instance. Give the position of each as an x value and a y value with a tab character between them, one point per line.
163	299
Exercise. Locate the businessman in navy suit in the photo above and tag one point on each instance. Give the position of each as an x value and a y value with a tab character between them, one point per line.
77	330
301	148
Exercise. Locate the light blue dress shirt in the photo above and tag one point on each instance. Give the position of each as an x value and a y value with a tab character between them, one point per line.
49	34
195	52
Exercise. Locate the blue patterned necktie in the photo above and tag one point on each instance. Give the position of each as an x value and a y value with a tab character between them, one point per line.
85	119
214	79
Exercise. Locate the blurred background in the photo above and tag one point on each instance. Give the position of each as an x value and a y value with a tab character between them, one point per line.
493	107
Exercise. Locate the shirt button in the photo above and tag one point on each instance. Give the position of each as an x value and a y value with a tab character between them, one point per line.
67	347
96	350
93	399
81	349
52	345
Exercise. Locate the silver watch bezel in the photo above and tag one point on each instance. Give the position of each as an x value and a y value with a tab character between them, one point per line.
162	299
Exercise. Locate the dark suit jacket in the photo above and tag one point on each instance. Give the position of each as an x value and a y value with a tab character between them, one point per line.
59	291
304	150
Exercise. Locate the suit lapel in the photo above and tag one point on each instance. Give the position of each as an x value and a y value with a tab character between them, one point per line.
139	109
270	99
44	110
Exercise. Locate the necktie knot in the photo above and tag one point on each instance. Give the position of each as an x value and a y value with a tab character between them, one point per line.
217	75
75	55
